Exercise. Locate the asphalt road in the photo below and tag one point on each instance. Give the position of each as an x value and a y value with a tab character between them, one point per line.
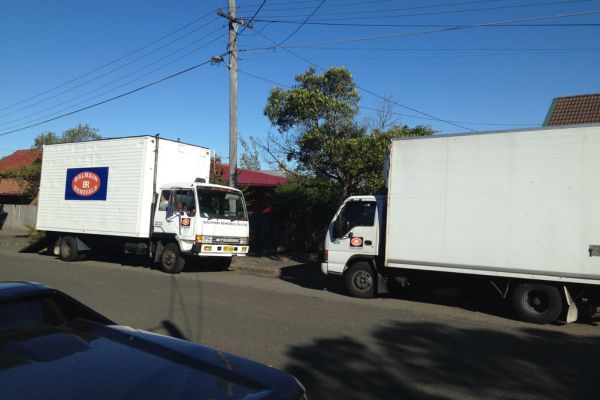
416	346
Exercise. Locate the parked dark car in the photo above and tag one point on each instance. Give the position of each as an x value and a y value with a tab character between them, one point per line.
53	347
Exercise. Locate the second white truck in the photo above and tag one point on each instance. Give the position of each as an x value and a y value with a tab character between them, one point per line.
516	208
141	195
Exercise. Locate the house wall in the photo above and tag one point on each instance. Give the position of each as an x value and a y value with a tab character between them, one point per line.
17	216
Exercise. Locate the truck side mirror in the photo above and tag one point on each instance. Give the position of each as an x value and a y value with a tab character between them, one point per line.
162	206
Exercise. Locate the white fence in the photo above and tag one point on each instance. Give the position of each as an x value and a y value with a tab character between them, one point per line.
17	216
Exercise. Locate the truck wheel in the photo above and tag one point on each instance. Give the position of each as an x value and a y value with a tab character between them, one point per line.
360	280
68	248
537	303
171	260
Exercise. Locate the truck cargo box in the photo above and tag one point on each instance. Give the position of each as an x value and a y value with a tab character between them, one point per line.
107	186
521	204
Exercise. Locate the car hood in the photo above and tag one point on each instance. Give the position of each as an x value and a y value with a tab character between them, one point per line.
95	361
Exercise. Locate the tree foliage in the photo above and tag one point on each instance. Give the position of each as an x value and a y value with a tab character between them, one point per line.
318	132
250	159
80	133
291	204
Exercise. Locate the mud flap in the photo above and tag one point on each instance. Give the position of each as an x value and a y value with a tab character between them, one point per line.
382	284
572	312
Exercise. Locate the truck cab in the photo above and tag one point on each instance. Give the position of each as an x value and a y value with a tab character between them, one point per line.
352	243
203	219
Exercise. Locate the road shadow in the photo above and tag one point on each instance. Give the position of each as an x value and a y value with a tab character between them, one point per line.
434	361
308	275
476	298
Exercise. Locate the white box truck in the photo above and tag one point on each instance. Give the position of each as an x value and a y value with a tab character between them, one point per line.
516	208
142	194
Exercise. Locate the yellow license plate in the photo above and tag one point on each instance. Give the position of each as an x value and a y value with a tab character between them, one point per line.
228	248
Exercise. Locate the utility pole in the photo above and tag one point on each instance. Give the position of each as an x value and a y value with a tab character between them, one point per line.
233	24
232	95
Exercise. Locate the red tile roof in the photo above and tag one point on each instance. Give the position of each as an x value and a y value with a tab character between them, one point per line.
574	110
19	158
247	177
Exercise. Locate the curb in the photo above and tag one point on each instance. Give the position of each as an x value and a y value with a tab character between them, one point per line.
268	272
13	243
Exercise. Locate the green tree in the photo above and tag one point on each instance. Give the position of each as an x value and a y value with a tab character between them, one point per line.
80	133
318	132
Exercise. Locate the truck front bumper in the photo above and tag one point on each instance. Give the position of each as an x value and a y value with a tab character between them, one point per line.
220	250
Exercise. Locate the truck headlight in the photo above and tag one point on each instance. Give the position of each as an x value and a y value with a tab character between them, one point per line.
207	239
244	240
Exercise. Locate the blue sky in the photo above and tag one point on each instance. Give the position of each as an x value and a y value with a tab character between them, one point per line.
483	78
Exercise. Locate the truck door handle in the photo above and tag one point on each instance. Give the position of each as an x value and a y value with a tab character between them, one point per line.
368	243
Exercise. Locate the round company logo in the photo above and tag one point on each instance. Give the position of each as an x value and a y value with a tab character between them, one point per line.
356	242
86	183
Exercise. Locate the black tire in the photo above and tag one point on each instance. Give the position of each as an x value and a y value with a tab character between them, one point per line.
68	249
360	280
537	302
222	263
171	260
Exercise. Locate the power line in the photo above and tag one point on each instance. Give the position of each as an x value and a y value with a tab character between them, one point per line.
70	89
262	78
353	24
254	16
115	97
396	35
118	79
109	63
448	49
374	94
302	24
347	4
458	122
333	4
385	13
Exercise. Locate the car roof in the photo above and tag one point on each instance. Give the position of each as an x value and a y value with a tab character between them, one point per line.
15	289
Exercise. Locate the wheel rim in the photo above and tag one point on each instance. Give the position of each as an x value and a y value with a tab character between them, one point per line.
169	258
363	280
537	301
66	250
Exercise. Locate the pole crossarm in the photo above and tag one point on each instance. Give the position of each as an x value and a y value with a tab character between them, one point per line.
233	19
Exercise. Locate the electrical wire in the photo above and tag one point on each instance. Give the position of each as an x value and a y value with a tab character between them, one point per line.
372	93
109	63
115	97
302	24
121	78
353	24
386	13
262	78
254	16
396	35
70	89
362	3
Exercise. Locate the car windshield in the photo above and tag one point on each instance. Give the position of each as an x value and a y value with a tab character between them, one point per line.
221	203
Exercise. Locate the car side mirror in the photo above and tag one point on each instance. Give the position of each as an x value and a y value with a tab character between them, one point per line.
162	206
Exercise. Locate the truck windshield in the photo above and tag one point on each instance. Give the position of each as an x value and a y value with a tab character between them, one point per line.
221	203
